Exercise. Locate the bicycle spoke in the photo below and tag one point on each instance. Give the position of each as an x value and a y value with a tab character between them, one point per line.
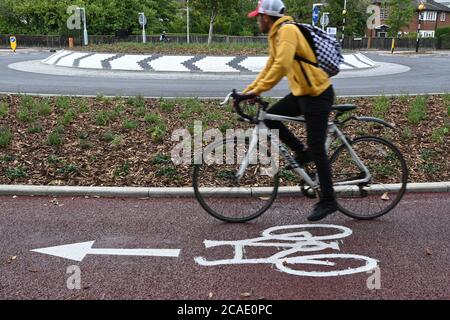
228	198
387	183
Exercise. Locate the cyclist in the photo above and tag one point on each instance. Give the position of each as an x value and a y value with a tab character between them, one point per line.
312	95
163	37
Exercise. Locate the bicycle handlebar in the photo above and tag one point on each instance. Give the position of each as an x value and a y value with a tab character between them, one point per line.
238	98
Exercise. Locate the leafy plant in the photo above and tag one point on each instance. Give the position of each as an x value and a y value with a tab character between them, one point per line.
54	139
381	106
101	118
122	170
129	124
35	128
15	173
4	109
5	137
418	110
62	102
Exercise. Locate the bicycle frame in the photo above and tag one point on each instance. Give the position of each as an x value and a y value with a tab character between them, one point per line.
333	130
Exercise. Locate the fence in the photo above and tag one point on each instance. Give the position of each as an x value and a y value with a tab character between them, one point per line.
349	43
62	41
386	43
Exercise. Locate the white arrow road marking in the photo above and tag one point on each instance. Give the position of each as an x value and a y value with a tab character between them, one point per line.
78	251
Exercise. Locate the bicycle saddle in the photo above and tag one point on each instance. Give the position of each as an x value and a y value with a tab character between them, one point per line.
344	107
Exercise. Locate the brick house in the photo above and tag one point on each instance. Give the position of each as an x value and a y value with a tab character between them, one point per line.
436	15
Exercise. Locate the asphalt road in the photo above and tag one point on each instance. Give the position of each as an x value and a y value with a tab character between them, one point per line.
411	245
428	74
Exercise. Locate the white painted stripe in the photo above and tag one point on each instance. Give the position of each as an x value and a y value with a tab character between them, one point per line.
128	63
215	64
68	61
174	63
95	61
52	59
350	59
346	67
170	63
366	59
254	64
136	252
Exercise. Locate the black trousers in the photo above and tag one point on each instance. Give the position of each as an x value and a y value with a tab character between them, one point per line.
316	111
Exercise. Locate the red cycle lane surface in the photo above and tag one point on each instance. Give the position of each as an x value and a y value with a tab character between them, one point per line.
411	245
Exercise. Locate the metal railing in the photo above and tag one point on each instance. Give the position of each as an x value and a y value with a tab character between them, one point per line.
349	43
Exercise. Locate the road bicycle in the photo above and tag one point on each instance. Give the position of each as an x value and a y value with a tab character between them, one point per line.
238	179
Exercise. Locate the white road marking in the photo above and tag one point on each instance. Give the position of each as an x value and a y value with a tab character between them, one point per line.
293	243
78	251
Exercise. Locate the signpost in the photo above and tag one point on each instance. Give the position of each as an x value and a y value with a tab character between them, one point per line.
332	31
13	43
316	13
325	20
143	23
85	32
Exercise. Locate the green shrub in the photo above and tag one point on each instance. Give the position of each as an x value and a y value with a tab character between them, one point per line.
129	124
4	109
54	139
152	118
15	173
62	102
43	108
35	128
418	110
5	137
101	118
381	106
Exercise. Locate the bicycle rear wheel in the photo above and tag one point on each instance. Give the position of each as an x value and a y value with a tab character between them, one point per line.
389	177
230	199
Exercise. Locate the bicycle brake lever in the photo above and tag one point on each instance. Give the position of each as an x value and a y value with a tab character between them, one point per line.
226	99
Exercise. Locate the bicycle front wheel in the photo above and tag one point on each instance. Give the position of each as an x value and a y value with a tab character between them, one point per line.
387	185
227	197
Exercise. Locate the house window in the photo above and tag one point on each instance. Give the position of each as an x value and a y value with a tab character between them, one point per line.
384	13
443	17
427	34
429	16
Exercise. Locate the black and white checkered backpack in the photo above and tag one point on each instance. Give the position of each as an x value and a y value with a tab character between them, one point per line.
327	49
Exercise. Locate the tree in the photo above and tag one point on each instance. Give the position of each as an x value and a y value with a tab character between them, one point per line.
400	15
356	17
103	16
213	8
301	10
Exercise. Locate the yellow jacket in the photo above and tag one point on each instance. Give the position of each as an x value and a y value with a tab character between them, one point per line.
285	42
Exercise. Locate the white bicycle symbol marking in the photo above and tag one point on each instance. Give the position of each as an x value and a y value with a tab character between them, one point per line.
294	243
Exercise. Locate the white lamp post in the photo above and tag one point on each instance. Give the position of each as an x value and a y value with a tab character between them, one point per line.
187	18
85	32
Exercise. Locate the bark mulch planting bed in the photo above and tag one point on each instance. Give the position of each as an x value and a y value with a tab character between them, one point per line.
127	142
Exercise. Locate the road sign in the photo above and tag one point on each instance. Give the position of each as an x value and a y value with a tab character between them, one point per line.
332	31
315	15
324	20
142	20
78	251
13	42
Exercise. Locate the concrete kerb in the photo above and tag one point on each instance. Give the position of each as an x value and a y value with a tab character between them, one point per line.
142	192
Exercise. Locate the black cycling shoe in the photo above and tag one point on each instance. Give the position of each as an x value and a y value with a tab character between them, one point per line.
322	210
302	158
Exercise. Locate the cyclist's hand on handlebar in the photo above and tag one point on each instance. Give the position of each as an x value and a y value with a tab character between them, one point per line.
250	97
